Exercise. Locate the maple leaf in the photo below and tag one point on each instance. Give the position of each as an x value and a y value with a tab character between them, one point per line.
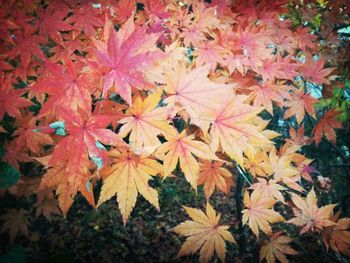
126	177
85	19
14	155
25	186
270	69
266	93
234	130
70	159
46	204
326	126
85	132
10	98
277	248
337	237
28	136
282	169
259	214
125	57
209	53
304	38
26	45
270	188
309	215
298	104
256	162
304	167
145	121
67	86
51	22
297	136
67	184
16	221
123	10
180	147
236	62
204	232
195	93
314	71
211	175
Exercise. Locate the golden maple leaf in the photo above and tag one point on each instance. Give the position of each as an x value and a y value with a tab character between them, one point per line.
309	215
204	233
259	213
128	176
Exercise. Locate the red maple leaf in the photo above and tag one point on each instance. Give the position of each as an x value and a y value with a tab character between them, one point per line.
299	103
86	133
85	19
314	71
125	57
26	45
326	126
28	137
51	21
67	86
10	98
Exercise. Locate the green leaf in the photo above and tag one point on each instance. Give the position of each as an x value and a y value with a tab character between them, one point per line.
1	150
16	254
8	175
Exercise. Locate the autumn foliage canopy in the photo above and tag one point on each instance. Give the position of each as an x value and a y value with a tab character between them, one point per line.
105	96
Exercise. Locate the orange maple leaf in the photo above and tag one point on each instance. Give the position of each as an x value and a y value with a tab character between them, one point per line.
337	237
213	174
277	248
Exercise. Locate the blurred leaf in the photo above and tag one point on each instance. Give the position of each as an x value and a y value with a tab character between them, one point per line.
16	254
8	175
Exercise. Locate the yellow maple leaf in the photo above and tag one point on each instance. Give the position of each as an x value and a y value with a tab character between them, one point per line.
283	170
277	247
309	215
234	128
204	233
259	213
180	147
256	162
128	176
